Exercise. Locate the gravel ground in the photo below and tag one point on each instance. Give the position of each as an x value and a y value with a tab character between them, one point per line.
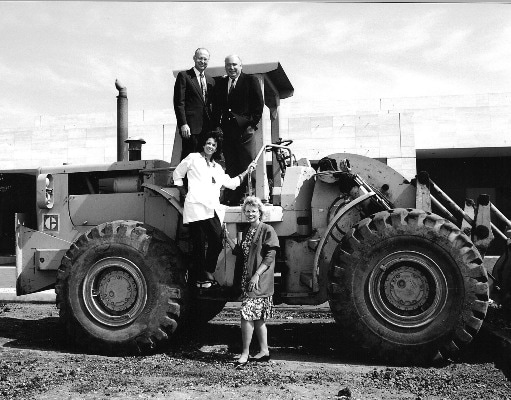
307	362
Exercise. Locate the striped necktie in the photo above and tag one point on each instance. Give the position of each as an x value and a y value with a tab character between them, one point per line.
203	86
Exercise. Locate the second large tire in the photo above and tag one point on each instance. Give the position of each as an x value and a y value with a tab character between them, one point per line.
408	286
121	288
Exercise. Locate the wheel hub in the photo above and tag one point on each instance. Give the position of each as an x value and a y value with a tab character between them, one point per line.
117	290
407	289
114	291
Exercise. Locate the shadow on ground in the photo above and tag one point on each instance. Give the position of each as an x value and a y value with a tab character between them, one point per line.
314	342
303	341
36	334
317	342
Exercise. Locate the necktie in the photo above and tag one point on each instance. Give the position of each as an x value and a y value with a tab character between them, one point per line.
203	86
231	87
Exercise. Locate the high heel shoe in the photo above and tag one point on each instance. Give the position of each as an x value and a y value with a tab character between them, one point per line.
240	364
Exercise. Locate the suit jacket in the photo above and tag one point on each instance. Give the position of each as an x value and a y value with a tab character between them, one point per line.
189	106
245	103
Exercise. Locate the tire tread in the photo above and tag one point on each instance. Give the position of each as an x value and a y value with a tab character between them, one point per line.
136	235
381	225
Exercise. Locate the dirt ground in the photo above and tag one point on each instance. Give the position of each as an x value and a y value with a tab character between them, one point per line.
308	362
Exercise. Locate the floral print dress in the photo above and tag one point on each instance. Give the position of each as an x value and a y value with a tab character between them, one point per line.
252	308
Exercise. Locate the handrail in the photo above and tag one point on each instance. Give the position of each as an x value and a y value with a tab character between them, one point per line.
263	148
499	214
279	146
249	179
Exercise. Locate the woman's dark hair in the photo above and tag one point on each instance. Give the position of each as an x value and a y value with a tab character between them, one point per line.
216	134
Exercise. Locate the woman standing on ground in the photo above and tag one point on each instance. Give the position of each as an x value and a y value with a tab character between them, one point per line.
256	253
205	178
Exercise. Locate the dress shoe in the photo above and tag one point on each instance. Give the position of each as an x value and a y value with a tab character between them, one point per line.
207	284
240	364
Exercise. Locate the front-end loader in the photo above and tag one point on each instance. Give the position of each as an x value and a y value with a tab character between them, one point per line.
403	281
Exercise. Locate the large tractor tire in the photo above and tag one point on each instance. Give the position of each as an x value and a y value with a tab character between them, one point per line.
408	286
121	288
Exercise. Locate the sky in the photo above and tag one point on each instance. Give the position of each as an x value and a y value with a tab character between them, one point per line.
61	58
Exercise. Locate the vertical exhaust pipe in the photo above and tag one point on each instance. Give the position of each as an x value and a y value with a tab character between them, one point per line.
122	121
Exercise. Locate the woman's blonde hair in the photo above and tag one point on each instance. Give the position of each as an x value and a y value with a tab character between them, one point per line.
255	202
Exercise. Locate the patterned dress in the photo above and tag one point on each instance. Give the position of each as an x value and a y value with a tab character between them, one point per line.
252	308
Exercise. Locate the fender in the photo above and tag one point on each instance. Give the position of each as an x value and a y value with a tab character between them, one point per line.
38	257
163	210
170	194
326	246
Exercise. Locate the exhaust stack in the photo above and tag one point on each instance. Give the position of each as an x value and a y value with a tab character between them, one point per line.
135	148
122	121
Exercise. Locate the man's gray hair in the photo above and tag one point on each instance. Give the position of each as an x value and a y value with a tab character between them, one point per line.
199	49
233	55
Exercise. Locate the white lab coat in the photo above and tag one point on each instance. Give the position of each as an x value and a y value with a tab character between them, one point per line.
204	183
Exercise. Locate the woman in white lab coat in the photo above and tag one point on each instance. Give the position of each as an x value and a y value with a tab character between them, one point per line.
205	179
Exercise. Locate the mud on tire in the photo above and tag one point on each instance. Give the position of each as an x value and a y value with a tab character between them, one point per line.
121	288
408	286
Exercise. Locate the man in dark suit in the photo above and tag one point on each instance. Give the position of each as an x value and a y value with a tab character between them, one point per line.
238	108
192	102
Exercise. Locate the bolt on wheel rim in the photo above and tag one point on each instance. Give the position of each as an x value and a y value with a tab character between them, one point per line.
407	289
114	291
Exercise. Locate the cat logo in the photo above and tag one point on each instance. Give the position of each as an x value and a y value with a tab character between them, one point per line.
51	222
